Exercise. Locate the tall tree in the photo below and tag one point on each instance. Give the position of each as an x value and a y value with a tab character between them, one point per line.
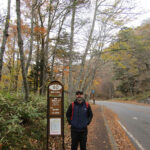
88	45
70	84
56	44
5	36
31	40
42	60
20	45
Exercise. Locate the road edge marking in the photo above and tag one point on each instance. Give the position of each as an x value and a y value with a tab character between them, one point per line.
131	136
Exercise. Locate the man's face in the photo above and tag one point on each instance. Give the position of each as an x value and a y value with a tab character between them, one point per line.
79	97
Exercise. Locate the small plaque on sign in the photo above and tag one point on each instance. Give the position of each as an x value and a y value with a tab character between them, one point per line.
55	106
55	90
55	126
55	87
55	93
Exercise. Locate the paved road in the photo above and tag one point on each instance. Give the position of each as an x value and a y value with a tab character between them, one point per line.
135	120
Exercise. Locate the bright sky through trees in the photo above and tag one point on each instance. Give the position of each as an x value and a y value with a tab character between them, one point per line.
142	5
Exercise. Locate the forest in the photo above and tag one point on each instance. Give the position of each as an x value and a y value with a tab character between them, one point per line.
84	44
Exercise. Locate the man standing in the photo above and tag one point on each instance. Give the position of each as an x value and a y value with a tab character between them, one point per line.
79	116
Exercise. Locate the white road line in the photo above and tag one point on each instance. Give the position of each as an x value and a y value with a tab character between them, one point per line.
131	136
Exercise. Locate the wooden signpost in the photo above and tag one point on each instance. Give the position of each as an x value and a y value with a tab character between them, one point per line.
55	114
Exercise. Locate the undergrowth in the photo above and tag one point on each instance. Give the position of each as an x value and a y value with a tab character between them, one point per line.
23	124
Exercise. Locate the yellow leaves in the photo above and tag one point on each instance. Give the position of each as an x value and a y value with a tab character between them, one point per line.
5	77
133	71
66	86
116	52
107	56
96	83
121	65
119	23
5	81
121	54
148	47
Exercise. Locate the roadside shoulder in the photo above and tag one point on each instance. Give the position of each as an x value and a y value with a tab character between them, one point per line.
122	141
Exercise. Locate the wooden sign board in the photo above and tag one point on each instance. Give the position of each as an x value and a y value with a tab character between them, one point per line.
55	106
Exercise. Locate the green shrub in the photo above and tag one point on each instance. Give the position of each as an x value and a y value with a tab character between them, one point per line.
22	124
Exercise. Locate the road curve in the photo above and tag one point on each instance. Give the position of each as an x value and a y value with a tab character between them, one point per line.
135	120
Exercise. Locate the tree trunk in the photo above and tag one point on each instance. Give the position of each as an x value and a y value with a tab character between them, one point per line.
70	84
17	72
42	68
42	61
20	45
14	43
88	45
47	41
55	48
86	74
5	36
37	67
31	40
63	75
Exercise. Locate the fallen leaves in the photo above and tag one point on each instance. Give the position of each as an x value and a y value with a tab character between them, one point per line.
55	143
97	136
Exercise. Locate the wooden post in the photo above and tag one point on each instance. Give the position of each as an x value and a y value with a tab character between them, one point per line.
0	146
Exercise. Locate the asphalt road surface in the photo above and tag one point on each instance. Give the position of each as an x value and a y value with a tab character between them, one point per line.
135	120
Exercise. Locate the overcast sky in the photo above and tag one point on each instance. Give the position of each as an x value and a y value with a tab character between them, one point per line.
143	5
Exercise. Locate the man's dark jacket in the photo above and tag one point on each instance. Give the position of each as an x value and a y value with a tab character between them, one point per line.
82	116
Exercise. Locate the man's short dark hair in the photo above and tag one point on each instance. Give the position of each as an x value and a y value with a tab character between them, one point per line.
79	92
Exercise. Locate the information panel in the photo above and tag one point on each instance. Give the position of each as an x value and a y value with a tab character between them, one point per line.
55	126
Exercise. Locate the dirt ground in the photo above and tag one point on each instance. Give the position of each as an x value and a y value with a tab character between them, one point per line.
98	137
